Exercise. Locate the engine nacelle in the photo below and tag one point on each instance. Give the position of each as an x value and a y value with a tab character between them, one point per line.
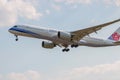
64	36
48	45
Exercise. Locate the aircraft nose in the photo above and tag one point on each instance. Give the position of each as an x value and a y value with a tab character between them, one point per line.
10	30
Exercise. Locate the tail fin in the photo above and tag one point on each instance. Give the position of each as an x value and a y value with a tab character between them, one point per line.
115	36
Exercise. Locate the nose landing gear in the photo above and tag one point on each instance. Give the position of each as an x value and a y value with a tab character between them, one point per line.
16	38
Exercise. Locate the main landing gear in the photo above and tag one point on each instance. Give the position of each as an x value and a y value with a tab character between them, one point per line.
16	38
66	50
72	46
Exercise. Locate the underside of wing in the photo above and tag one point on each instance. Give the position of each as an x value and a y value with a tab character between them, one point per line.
79	34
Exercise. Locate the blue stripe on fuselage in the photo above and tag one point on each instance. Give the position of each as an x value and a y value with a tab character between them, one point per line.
23	31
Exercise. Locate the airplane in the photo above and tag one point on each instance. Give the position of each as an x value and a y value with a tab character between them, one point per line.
67	39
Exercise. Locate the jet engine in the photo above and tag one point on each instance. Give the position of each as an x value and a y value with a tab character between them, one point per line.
48	45
64	36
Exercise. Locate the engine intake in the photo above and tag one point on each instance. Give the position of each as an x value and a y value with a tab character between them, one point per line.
64	36
48	45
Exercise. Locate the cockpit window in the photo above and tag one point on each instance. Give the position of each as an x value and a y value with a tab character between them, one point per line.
15	26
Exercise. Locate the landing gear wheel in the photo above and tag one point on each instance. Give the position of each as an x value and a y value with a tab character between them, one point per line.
63	50
66	50
16	38
72	46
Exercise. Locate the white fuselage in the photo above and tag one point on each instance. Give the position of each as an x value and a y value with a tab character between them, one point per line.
95	42
51	35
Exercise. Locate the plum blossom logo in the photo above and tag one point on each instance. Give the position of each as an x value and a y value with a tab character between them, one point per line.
116	36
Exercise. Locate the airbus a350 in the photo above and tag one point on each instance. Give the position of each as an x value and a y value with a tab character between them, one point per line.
67	39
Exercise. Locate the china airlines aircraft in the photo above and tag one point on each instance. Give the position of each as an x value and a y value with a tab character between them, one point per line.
66	39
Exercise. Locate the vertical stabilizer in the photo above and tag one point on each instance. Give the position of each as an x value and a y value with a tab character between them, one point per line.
115	36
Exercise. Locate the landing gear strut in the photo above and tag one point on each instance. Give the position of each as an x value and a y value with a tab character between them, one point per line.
66	50
16	38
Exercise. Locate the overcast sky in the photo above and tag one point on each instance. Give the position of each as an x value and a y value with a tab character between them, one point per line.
27	60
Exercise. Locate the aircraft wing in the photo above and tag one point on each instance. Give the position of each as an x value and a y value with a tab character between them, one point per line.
79	34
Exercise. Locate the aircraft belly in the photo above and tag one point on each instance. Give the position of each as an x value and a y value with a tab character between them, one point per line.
96	43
